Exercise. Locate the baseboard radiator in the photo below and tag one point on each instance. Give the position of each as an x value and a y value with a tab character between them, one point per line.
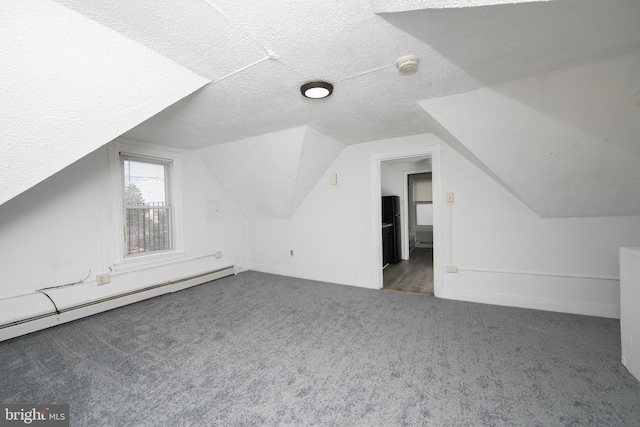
67	314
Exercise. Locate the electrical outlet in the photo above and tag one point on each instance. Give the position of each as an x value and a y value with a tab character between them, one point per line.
217	254
449	197
452	268
103	279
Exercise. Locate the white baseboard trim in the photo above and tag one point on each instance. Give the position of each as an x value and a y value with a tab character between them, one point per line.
566	294
89	308
423	245
314	275
536	303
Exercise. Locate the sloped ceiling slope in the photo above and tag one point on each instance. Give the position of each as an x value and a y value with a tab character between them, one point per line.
497	43
385	6
568	142
556	117
268	176
257	54
70	85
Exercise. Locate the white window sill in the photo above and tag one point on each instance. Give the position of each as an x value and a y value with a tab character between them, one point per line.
148	261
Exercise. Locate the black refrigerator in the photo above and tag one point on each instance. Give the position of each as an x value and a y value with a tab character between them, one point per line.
391	215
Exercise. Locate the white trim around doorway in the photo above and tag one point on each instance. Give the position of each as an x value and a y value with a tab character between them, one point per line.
432	151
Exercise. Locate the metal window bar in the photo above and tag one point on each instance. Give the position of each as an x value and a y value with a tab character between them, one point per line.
147	228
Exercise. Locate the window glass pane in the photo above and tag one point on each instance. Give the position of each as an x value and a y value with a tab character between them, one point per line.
147	210
422	190
144	183
424	214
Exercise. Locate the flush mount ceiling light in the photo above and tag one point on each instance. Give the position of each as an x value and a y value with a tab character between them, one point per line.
408	64
316	90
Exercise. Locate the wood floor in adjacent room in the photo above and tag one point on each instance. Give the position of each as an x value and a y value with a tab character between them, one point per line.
414	275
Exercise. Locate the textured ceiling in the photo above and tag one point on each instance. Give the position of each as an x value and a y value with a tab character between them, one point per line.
257	54
498	43
567	142
408	5
55	65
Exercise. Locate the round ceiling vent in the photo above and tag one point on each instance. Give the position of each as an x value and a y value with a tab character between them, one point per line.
408	64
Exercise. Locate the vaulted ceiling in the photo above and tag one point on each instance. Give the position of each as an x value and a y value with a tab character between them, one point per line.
69	85
542	95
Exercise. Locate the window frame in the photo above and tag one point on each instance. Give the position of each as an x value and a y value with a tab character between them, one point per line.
153	154
168	207
413	204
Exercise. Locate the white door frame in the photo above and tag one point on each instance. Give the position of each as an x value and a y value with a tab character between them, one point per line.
405	225
432	151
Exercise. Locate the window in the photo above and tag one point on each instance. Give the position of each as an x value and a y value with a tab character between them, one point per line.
146	228
421	197
424	213
147	205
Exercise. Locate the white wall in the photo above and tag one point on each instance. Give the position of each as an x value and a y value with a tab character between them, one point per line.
505	253
56	232
630	316
269	175
57	65
524	260
330	232
392	175
391	178
392	184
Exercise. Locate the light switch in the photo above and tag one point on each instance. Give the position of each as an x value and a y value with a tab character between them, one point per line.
333	178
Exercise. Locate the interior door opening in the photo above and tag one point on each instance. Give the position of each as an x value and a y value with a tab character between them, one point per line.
406	188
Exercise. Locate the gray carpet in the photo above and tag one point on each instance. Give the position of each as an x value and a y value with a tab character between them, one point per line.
259	349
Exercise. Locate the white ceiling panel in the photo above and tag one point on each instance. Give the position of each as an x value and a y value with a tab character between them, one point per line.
504	42
71	85
566	142
257	54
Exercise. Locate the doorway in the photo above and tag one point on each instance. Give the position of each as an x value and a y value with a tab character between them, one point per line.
409	182
419	268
